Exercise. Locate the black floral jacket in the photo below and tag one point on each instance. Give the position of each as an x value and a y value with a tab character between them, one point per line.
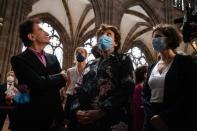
107	84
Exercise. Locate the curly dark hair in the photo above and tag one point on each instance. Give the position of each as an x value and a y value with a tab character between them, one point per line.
172	33
25	28
104	27
140	73
96	51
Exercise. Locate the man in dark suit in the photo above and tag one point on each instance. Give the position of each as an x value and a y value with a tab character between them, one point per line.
42	74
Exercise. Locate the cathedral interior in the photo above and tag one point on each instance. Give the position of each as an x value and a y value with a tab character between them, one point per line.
73	23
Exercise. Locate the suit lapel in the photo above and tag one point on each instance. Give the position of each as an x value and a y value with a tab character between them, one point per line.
47	57
32	58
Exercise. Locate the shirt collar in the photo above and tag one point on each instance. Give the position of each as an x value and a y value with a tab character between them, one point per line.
36	52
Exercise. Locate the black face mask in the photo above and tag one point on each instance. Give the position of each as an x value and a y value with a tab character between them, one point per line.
80	58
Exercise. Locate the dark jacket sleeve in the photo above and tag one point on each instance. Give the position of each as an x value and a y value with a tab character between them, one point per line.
28	76
2	94
186	105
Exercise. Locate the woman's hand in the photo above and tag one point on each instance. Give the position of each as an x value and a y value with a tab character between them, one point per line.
89	116
158	123
8	99
82	117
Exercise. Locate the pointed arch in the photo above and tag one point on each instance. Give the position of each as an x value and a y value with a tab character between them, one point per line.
87	35
145	5
133	29
138	14
69	17
79	30
82	18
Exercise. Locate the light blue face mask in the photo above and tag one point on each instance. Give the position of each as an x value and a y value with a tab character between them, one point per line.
105	42
159	43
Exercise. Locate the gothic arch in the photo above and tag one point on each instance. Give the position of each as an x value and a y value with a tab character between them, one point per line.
81	31
69	17
88	35
81	21
149	21
82	34
130	38
146	6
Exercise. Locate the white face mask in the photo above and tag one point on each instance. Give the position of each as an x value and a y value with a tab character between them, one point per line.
10	79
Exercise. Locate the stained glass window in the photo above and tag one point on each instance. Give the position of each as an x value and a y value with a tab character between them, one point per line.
88	46
179	4
137	56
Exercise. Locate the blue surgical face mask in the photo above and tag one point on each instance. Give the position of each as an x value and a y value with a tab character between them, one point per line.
159	43
105	42
80	57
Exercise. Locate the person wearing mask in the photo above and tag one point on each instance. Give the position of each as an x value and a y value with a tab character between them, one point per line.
96	51
138	108
74	74
170	88
8	91
41	76
0	79
106	86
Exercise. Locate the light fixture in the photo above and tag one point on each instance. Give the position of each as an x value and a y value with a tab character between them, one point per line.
1	21
194	44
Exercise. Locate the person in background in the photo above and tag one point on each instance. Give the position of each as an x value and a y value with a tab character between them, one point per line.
106	86
74	74
169	94
0	79
96	51
138	108
8	91
41	76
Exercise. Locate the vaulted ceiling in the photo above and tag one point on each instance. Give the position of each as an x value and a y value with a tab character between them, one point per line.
80	17
77	20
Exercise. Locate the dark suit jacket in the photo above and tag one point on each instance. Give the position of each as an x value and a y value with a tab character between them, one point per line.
2	94
180	94
43	84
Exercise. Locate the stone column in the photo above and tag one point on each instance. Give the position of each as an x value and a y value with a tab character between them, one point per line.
168	4
104	10
11	12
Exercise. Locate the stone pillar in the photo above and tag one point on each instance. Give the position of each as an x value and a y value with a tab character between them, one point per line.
104	11
168	4
68	56
11	12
